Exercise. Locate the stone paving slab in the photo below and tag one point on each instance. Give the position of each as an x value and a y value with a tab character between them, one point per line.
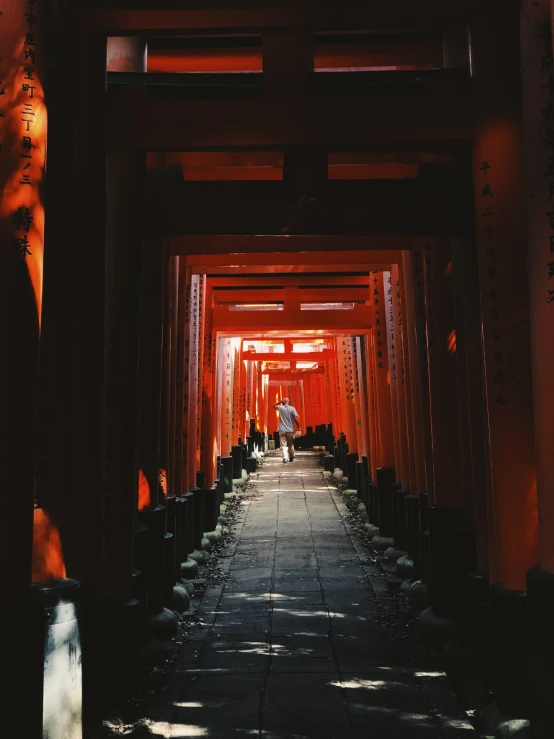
291	645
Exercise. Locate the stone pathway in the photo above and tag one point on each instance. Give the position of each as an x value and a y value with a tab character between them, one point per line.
291	645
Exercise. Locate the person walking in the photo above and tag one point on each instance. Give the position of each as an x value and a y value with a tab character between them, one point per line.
288	416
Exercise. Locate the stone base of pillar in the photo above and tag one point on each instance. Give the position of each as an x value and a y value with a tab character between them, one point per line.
385	481
540	633
170	573
382	542
418	596
442	561
401	535
435	629
480	624
457	659
22	623
163	625
510	677
154	520
404	567
466	562
413	533
491	722
110	643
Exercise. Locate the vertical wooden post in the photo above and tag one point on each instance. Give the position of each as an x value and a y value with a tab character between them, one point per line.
499	202
538	120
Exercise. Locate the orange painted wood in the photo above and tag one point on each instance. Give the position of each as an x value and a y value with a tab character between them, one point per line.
440	112
404	474
420	324
538	101
410	345
441	357
392	374
383	386
498	175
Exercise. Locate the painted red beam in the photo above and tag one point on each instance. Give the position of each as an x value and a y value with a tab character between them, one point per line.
424	15
225	249
436	113
349	321
289	356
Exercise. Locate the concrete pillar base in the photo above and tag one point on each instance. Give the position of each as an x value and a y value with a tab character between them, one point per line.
151	653
393	555
435	629
371	530
418	596
457	659
406	587
510	676
181	598
162	625
188	585
491	722
404	567
540	610
382	542
189	569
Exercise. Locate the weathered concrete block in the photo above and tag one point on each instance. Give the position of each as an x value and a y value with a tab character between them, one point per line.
207	545
181	598
418	596
405	587
162	625
457	659
188	585
404	566
152	653
372	530
189	569
382	542
435	629
198	556
222	520
213	536
393	555
493	723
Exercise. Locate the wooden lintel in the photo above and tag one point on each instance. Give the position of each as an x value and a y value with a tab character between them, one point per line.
433	113
303	249
125	17
321	356
292	280
358	319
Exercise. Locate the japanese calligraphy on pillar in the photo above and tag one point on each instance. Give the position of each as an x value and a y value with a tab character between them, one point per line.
23	123
492	298
390	325
378	317
226	392
546	138
235	397
200	363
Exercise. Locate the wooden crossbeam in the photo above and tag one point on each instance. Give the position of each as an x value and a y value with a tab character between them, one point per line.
435	113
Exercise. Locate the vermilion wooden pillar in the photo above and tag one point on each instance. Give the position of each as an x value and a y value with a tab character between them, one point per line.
124	233
171	347
477	522
150	365
501	236
392	373
410	343
383	383
180	346
209	393
402	375
418	296
538	118
21	252
446	495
